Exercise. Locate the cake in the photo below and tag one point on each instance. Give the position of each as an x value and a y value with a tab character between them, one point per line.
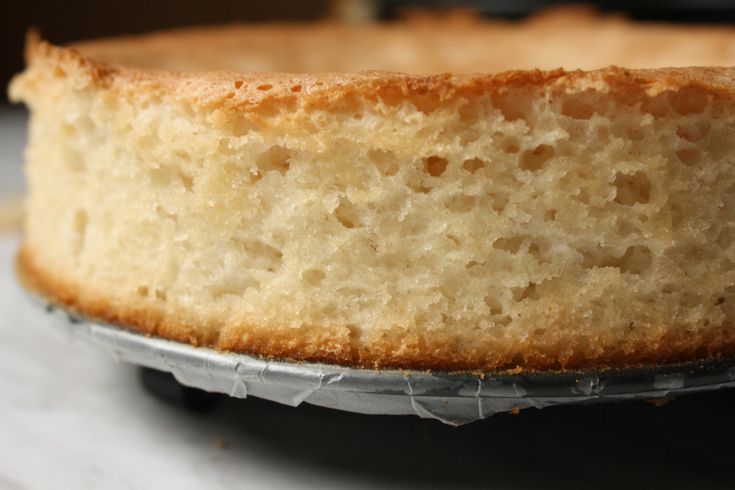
445	194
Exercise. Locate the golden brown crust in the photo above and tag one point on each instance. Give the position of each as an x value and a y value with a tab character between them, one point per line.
331	345
234	94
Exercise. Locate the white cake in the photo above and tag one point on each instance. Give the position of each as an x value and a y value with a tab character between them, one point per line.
293	206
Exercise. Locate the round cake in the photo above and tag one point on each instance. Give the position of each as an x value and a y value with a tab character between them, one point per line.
540	195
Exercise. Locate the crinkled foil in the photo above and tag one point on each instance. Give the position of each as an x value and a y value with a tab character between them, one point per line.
451	398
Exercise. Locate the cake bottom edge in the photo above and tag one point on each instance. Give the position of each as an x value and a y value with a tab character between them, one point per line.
333	345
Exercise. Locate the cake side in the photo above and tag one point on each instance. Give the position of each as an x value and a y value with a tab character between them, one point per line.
533	220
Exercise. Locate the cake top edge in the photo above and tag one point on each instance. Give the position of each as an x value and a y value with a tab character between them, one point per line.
459	42
237	81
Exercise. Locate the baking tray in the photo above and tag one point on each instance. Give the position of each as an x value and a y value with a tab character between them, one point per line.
452	398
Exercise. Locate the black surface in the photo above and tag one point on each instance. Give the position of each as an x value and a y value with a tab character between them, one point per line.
164	386
685	443
686	11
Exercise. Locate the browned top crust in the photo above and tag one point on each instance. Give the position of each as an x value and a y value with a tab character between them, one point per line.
265	67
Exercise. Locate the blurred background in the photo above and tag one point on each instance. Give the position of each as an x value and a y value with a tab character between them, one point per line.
72	20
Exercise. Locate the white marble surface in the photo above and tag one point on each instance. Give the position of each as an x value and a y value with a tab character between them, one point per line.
72	418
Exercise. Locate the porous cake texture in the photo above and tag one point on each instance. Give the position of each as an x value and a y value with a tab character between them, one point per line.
523	219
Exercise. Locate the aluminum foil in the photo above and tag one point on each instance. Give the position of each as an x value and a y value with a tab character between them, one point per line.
451	398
